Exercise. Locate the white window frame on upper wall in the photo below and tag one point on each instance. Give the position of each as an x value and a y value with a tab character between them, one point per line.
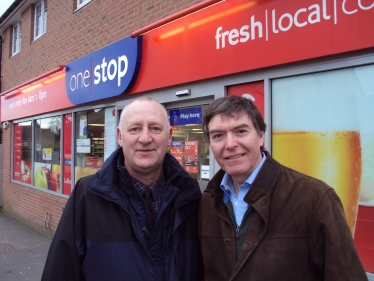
16	39
40	19
81	3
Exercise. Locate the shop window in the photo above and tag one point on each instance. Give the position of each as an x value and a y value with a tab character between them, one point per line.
188	145
323	126
95	140
16	38
22	149
40	24
47	153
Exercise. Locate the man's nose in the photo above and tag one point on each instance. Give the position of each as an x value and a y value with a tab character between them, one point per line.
145	136
231	141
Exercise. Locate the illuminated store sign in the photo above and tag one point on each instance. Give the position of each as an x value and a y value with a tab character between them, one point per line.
106	73
186	116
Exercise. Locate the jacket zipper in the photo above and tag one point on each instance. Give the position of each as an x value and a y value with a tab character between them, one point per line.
237	227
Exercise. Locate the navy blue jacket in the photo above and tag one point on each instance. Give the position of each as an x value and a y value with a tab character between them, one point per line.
102	234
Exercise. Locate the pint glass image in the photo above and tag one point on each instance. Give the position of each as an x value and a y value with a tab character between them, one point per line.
334	157
317	130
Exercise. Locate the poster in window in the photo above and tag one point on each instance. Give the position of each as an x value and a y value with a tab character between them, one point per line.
323	127
83	127
47	153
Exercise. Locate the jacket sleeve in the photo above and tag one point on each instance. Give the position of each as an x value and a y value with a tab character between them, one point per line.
62	260
334	251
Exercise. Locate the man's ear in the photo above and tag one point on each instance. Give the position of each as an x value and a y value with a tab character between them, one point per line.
170	138
119	137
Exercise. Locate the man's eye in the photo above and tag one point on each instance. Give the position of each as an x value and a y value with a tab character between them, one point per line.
134	129
216	136
156	129
241	131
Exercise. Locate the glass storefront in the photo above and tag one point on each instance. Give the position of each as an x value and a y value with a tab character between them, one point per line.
95	133
322	127
47	153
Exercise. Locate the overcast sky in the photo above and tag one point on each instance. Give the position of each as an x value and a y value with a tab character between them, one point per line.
4	5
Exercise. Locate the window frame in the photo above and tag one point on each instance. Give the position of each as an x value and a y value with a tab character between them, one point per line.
81	3
40	20
16	38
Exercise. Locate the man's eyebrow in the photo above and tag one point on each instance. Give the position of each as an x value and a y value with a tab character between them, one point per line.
215	131
238	127
241	126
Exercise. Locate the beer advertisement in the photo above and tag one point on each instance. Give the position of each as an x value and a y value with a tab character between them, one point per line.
323	126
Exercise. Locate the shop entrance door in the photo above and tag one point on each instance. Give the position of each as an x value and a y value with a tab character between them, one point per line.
188	145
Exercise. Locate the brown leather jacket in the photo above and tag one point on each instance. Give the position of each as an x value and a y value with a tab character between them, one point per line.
298	232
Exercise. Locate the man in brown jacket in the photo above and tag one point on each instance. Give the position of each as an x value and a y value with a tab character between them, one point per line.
259	220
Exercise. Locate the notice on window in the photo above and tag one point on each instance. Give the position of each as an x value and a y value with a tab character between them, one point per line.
83	145
176	149
110	139
83	127
204	172
47	153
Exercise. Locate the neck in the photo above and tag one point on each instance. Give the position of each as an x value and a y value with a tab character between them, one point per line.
146	176
236	186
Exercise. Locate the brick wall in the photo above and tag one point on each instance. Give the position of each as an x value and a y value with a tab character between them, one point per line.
70	35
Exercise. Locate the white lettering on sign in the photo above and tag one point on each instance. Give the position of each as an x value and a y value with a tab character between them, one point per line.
80	80
190	115
30	99
102	72
115	68
304	16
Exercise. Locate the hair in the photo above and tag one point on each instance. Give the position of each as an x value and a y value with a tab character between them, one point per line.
235	107
141	99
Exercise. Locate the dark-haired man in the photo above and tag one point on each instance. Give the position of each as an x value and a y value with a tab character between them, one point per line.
259	220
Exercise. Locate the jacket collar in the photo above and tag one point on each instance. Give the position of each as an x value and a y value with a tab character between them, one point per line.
107	181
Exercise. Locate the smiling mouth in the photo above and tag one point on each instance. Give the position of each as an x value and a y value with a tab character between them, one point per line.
234	156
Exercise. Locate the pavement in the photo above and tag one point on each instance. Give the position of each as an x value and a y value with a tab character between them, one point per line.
23	250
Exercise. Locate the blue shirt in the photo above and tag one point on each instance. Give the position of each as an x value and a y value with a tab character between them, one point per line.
238	203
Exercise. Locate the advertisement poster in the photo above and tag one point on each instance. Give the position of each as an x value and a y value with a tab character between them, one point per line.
47	176
67	153
93	162
22	166
47	153
176	149
191	164
110	132
323	126
186	152
83	127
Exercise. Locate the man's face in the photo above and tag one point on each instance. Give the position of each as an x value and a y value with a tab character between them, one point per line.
235	145
144	138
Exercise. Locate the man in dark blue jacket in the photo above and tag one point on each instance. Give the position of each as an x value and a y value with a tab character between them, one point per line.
136	218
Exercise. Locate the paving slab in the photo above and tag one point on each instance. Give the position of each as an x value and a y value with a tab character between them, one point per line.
23	250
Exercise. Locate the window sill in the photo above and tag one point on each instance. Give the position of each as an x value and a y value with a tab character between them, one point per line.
38	37
15	54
